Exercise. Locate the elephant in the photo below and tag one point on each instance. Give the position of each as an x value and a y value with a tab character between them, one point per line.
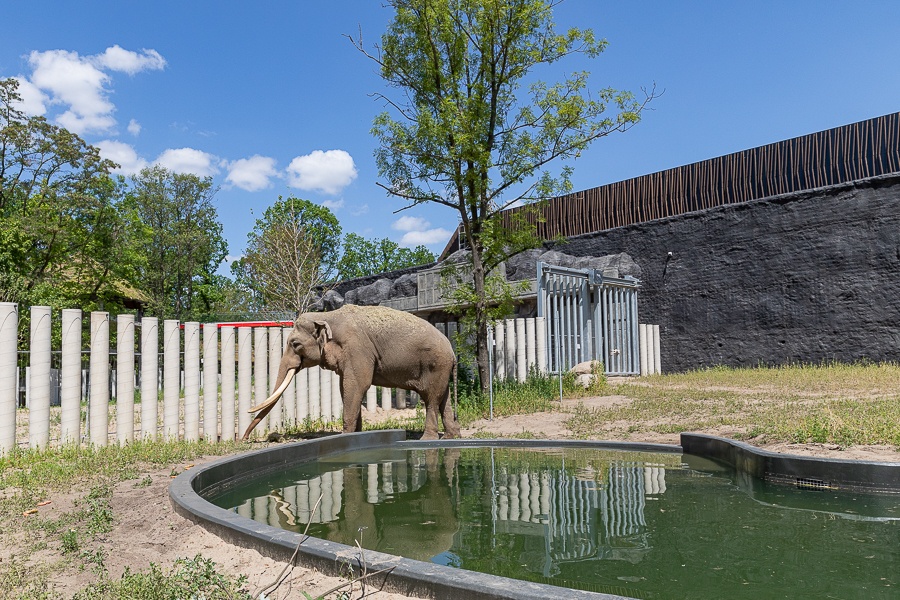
371	345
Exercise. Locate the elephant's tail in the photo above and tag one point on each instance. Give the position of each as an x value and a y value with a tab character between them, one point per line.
455	388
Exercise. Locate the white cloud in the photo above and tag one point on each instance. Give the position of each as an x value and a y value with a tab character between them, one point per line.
80	83
116	58
425	238
333	204
360	210
328	172
407	223
123	154
134	128
252	174
189	160
34	101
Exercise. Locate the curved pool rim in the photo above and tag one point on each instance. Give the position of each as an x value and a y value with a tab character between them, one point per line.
424	579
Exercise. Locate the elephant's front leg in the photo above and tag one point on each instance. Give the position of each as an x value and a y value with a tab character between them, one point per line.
353	391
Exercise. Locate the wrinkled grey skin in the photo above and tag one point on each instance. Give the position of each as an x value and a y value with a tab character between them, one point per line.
374	345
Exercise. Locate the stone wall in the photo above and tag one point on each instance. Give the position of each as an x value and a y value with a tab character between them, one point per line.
804	277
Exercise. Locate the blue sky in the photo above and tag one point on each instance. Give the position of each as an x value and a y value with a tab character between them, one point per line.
271	99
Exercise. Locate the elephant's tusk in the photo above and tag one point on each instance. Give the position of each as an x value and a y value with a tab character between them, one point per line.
271	400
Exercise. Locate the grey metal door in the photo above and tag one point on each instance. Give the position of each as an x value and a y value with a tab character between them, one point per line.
589	317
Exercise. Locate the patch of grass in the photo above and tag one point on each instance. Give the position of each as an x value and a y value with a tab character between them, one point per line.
830	403
196	577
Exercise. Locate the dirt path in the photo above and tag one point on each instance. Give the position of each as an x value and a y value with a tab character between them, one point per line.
146	528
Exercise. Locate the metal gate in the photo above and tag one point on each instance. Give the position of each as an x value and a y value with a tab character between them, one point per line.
589	317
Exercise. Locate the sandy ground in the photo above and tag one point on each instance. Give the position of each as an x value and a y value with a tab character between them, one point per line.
148	530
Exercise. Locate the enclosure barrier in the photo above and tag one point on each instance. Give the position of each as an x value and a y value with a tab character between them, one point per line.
211	374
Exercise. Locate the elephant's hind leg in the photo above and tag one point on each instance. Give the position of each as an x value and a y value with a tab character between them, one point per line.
451	425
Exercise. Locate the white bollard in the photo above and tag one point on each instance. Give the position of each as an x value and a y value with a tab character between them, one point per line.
371	398
260	372
302	380
275	416
288	400
227	334
401	398
245	378
386	398
510	348
337	402
149	377
642	342
9	325
39	378
325	394
657	369
520	347
125	379
499	351
98	411
530	341
540	343
192	381
315	407
211	382
171	378
70	378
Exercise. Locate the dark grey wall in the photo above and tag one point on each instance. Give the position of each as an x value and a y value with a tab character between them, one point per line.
805	277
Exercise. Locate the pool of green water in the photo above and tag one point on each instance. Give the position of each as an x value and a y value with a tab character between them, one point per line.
642	525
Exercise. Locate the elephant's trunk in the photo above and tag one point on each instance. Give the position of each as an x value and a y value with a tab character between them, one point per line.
266	406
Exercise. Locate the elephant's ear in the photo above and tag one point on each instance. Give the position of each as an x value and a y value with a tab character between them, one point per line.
323	332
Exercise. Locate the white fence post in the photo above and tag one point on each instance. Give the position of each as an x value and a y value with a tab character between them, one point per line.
315	408
70	378
210	382
656	351
260	372
386	398
9	325
302	381
530	343
289	398
98	411
325	378
125	378
275	416
521	344
510	349
149	377
540	350
245	363
499	351
642	335
192	381
39	378
228	383
337	403
371	398
171	378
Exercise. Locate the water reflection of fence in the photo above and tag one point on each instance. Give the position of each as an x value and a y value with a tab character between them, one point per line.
578	517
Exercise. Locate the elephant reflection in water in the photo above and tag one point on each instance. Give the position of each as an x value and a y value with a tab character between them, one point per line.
418	534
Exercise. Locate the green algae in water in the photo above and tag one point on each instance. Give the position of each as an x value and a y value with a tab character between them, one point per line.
643	525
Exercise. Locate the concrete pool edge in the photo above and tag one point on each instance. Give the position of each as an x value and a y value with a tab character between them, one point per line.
417	578
802	471
407	576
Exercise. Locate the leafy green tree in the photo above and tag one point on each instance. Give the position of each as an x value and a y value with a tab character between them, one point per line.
67	239
364	257
462	133
291	251
183	245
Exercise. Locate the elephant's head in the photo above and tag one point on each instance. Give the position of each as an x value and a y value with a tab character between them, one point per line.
303	349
